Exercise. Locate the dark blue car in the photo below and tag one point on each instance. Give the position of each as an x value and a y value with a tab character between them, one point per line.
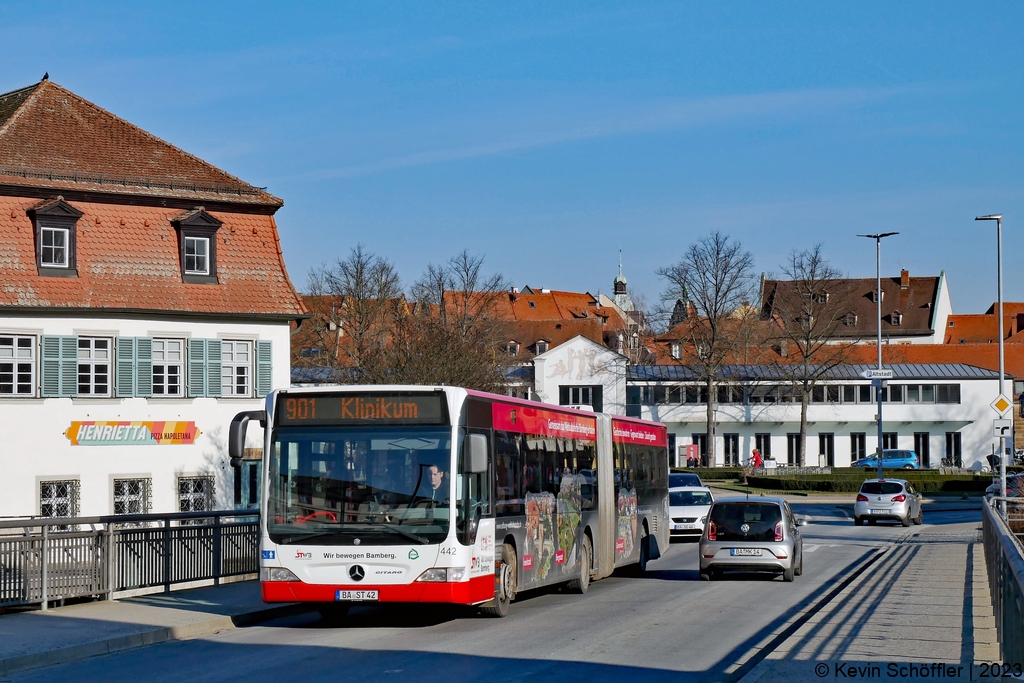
892	459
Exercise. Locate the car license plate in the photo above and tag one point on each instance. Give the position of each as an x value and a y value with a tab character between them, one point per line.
745	551
682	526
357	596
879	512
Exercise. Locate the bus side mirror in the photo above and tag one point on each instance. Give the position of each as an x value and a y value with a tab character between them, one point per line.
476	454
236	433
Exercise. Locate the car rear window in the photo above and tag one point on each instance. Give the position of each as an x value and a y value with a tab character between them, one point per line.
683	479
759	518
689	498
881	487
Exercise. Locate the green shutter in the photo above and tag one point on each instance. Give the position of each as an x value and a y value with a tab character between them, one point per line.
59	366
196	367
144	366
264	367
213	387
125	363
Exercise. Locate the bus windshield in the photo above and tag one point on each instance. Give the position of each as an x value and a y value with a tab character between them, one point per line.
351	485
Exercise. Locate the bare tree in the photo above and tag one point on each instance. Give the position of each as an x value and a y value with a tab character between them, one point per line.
714	281
808	309
356	305
458	334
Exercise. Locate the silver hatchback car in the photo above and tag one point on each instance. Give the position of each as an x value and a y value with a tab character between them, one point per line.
892	499
751	535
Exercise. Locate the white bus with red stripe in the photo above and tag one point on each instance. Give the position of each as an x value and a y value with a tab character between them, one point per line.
446	495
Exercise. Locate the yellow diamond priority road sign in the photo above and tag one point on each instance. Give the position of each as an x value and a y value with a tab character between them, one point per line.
1001	405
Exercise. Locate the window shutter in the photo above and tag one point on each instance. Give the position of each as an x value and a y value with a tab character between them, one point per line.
197	367
144	366
213	356
125	361
264	367
51	367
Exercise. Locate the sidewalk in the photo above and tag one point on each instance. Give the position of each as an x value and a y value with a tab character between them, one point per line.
64	634
925	603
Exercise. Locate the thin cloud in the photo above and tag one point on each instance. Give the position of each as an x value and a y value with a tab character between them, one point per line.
615	122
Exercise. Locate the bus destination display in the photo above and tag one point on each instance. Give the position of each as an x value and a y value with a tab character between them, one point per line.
361	409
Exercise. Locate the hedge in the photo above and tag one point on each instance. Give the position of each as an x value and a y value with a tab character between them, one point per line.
847	484
712	473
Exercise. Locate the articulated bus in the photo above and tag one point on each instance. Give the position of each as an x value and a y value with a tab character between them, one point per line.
445	495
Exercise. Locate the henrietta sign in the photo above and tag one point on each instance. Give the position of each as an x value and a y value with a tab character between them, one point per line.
131	433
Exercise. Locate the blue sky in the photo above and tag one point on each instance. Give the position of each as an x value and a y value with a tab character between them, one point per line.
546	136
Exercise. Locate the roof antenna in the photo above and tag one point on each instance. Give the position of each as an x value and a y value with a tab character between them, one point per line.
46	76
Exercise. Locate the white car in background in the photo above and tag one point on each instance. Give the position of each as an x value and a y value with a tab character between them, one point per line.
688	509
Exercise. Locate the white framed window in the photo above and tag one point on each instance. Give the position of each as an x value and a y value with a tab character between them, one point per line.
676	351
168	367
236	368
93	366
132	496
54	244
17	365
197	255
195	494
542	347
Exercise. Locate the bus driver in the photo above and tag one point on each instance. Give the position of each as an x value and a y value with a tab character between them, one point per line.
435	488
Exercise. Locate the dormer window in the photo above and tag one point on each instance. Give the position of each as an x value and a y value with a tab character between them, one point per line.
197	255
542	347
55	221
197	246
512	348
897	318
676	351
874	297
823	298
851	320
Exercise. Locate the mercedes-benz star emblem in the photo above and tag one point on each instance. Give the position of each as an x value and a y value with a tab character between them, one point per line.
745	528
356	541
357	573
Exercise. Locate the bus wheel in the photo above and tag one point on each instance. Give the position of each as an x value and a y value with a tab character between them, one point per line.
581	584
333	612
640	568
505	588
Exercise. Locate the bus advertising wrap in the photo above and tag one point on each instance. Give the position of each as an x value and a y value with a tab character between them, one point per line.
632	432
529	420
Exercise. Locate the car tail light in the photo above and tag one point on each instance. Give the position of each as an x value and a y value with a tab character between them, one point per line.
712	531
861	498
899	499
778	531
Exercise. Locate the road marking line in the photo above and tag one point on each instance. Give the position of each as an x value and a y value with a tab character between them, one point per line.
811	548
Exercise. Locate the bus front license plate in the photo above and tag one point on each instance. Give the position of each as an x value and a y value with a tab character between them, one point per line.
357	596
746	551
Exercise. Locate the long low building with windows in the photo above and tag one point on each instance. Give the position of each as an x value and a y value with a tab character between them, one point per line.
941	411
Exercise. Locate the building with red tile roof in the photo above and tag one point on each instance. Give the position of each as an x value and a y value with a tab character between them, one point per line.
143	292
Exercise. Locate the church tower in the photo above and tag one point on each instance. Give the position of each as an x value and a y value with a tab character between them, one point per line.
622	299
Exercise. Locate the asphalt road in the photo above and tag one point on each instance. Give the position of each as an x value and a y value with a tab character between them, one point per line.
668	626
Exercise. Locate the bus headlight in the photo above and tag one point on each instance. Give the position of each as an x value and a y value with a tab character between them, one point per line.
435	575
443	575
277	574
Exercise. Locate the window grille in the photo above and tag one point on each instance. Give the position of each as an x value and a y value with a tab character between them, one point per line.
197	251
54	248
195	494
132	496
59	498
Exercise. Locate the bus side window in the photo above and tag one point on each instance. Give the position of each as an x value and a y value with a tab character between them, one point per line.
508	465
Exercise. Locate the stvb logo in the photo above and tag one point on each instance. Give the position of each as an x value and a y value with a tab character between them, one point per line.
357	573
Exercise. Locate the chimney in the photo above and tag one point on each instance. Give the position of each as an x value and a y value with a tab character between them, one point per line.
904	279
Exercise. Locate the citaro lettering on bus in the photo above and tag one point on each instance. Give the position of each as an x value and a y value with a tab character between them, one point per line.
377	409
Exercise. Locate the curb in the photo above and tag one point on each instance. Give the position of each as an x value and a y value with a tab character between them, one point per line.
158	634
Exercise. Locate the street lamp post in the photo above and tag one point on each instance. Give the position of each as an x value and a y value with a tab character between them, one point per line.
998	218
878	298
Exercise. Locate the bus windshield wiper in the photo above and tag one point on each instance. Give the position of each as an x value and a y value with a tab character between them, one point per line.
406	534
362	528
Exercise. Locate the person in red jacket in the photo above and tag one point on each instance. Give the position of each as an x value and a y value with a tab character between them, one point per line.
755	460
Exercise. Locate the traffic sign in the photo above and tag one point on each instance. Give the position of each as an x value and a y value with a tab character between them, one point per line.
878	374
1002	427
1001	405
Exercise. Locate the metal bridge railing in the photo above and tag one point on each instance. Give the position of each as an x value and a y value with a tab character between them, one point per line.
1004	557
43	560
